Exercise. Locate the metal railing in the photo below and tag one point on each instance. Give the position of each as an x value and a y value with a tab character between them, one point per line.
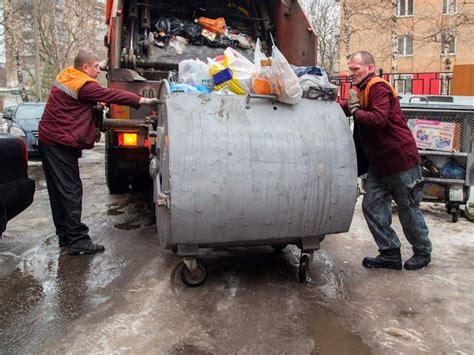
432	83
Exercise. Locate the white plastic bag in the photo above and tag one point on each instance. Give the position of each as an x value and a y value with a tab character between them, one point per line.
194	72
242	68
287	84
262	82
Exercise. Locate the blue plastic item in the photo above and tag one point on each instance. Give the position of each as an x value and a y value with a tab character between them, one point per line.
184	88
223	76
313	70
452	170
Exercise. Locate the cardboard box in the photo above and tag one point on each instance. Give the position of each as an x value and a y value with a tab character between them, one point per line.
435	135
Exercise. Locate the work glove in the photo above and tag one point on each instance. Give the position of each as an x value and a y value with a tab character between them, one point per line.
354	103
149	101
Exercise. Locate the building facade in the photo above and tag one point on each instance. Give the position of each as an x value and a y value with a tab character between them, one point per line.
408	36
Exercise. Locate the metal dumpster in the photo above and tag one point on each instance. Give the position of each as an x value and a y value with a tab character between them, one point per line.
449	170
245	170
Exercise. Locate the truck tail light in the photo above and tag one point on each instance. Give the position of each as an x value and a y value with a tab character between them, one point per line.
127	139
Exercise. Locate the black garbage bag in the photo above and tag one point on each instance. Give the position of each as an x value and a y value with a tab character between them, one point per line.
192	31
170	26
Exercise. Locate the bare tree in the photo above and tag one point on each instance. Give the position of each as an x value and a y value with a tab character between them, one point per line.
64	26
355	15
12	27
324	15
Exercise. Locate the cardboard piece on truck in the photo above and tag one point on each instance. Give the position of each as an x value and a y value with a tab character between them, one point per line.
435	135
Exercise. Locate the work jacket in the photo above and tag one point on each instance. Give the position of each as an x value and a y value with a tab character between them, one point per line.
67	119
384	143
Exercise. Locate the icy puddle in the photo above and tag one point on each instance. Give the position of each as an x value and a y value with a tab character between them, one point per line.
332	336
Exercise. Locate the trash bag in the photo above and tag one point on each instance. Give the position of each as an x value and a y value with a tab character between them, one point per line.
318	87
169	25
315	83
313	70
262	83
192	31
275	76
288	89
235	69
194	72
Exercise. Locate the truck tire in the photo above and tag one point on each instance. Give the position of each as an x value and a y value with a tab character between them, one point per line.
116	182
142	183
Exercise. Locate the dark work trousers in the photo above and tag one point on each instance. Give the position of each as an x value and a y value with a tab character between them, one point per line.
61	169
406	188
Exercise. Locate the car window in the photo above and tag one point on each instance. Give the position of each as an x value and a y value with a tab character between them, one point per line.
8	112
28	112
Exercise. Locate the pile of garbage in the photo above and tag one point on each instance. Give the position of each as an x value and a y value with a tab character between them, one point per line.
232	73
202	32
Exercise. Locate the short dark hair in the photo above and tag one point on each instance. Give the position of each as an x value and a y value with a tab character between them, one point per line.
84	56
367	58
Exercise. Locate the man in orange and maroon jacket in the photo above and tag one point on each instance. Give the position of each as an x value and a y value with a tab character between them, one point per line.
387	152
66	127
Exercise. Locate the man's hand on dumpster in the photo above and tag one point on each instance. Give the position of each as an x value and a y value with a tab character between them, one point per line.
354	103
149	101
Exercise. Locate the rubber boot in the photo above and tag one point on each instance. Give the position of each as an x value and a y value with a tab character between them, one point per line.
417	261
389	259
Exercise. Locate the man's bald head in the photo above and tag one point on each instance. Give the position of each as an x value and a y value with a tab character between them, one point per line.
365	57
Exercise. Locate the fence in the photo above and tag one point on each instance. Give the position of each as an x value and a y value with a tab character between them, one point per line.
405	83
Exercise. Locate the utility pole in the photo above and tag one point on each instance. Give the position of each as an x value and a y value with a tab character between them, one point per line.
37	52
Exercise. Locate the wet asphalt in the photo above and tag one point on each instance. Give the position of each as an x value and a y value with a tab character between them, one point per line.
43	289
45	293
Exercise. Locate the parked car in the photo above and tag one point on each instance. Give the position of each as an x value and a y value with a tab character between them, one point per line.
8	112
16	188
24	123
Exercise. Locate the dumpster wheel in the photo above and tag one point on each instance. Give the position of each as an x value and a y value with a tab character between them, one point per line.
455	214
193	272
303	268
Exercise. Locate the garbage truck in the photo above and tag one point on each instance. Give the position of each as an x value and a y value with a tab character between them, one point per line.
226	170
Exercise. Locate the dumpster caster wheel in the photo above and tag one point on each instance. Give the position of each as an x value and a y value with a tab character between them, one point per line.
279	247
303	268
455	214
193	272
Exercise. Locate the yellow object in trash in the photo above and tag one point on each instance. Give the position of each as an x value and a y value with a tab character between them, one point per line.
233	84
240	68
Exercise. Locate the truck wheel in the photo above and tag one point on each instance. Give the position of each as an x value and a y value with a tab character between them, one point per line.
115	182
142	183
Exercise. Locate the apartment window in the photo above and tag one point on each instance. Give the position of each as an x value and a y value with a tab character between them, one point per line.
405	7
449	41
449	7
405	45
